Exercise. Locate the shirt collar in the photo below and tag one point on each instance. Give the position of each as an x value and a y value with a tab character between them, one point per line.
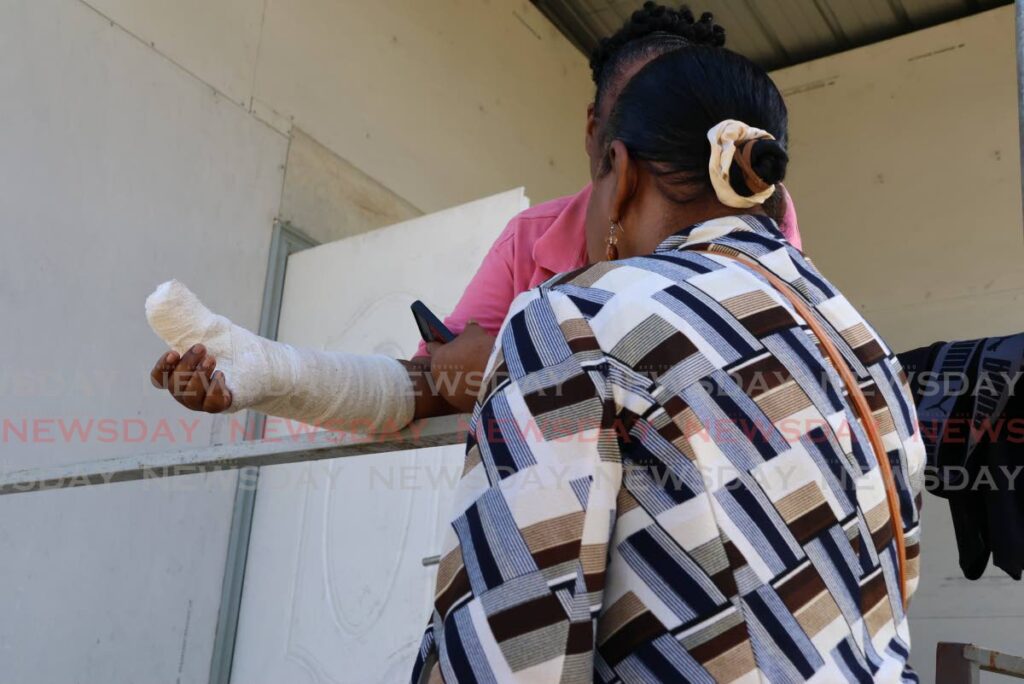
716	229
563	246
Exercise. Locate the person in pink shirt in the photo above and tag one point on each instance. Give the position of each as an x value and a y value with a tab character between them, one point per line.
558	236
535	245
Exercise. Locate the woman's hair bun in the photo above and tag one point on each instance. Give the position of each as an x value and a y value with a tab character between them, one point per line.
768	159
765	161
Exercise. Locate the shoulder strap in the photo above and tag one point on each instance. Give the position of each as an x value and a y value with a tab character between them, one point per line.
857	398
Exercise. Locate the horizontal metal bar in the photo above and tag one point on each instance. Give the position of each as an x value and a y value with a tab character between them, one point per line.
431	560
312	446
994	661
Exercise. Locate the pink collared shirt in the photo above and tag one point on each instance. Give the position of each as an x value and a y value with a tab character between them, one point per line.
536	244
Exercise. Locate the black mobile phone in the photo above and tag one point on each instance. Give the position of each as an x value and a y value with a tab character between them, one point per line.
431	327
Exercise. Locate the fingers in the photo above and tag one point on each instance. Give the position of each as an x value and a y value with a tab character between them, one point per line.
432	347
218	396
193	380
195	391
185	385
190	359
160	376
181	387
182	373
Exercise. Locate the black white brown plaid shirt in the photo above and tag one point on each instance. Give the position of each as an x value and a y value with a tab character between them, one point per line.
666	482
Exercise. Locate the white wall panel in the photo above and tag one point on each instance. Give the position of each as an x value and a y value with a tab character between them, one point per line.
117	170
334	588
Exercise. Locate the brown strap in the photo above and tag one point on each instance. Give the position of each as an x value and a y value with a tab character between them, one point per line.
860	403
750	177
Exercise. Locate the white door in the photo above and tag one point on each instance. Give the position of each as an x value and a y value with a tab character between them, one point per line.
335	589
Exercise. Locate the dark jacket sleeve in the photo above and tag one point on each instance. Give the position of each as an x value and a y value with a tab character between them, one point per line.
972	424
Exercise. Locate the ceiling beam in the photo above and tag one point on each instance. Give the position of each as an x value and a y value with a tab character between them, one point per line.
566	17
584	24
769	34
901	14
832	21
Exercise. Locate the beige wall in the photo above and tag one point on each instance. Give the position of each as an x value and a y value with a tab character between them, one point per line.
149	139
441	102
117	170
905	173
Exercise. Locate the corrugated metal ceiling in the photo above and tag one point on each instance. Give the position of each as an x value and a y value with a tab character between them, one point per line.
775	33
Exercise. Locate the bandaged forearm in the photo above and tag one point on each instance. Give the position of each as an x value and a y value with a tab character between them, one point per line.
351	392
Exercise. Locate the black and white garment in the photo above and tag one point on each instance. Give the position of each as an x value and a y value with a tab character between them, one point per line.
972	424
666	481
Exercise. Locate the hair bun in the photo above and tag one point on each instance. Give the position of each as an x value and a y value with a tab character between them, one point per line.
768	159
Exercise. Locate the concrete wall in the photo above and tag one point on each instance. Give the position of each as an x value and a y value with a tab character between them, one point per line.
145	139
905	171
329	198
117	170
906	166
442	102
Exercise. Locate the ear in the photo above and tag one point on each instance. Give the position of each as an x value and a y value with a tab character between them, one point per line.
624	176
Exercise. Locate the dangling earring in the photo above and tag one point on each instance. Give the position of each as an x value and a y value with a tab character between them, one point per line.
611	251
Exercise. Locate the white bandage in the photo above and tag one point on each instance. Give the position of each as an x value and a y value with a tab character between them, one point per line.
349	392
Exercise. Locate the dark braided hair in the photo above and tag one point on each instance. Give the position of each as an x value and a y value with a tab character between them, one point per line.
651	31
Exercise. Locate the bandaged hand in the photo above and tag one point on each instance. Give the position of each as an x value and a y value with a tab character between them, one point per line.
215	365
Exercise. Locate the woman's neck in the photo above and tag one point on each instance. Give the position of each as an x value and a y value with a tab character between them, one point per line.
671	217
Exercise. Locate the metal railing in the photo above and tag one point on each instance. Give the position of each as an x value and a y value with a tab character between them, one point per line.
312	446
957	663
